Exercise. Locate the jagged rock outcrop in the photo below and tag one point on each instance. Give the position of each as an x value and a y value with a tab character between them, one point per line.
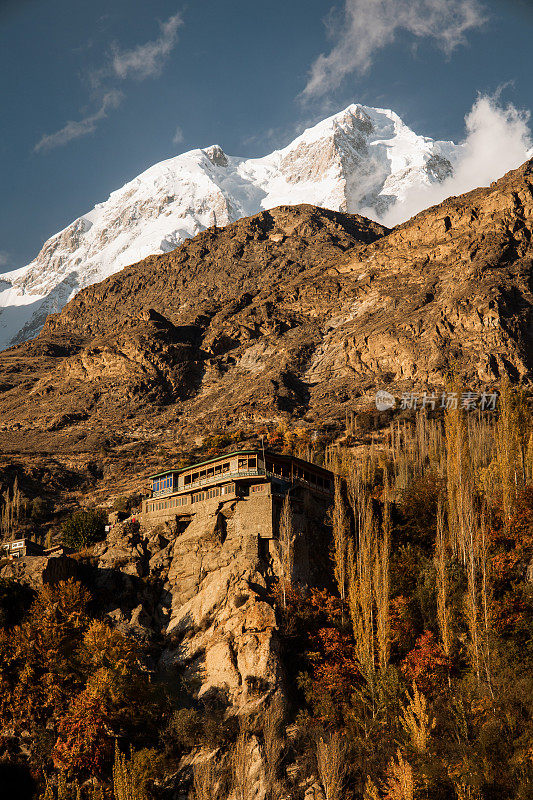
198	587
209	599
34	571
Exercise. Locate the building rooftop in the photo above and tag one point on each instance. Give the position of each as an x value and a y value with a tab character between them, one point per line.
248	451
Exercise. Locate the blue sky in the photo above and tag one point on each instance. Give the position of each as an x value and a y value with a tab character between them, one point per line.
93	93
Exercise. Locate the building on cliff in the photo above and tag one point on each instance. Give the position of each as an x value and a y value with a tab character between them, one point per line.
255	480
19	548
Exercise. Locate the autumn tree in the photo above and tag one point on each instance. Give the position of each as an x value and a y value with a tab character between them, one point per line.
341	534
331	762
287	539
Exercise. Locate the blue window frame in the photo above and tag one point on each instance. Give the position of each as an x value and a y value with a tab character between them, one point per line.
160	484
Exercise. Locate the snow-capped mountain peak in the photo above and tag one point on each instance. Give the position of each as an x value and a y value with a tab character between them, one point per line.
362	159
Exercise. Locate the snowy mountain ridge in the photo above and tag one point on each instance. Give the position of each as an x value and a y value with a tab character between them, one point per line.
360	160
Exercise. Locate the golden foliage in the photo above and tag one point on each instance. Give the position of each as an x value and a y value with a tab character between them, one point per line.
416	721
331	762
400	782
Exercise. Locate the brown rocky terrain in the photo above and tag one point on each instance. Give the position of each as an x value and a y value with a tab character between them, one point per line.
294	314
197	590
297	312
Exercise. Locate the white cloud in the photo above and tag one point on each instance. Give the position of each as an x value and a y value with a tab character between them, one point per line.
146	60
178	136
367	26
497	140
78	128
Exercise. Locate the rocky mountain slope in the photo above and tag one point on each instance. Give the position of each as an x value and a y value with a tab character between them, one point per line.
361	158
293	313
199	593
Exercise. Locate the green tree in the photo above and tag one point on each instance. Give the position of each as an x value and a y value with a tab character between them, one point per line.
39	509
83	529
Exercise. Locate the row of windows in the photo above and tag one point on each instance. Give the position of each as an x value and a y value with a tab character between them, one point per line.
216	491
13	545
219	469
159	484
284	471
173	502
185	499
246	463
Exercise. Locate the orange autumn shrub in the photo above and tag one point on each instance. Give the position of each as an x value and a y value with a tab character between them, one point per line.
427	665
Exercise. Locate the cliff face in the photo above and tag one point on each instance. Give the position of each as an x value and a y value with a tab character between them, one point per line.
208	598
197	590
295	311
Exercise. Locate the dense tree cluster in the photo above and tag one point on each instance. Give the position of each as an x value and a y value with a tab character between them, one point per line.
414	672
408	673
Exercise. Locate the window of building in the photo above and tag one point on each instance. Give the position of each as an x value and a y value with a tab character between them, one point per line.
252	462
187	480
210	472
218	469
195	476
242	464
225	467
